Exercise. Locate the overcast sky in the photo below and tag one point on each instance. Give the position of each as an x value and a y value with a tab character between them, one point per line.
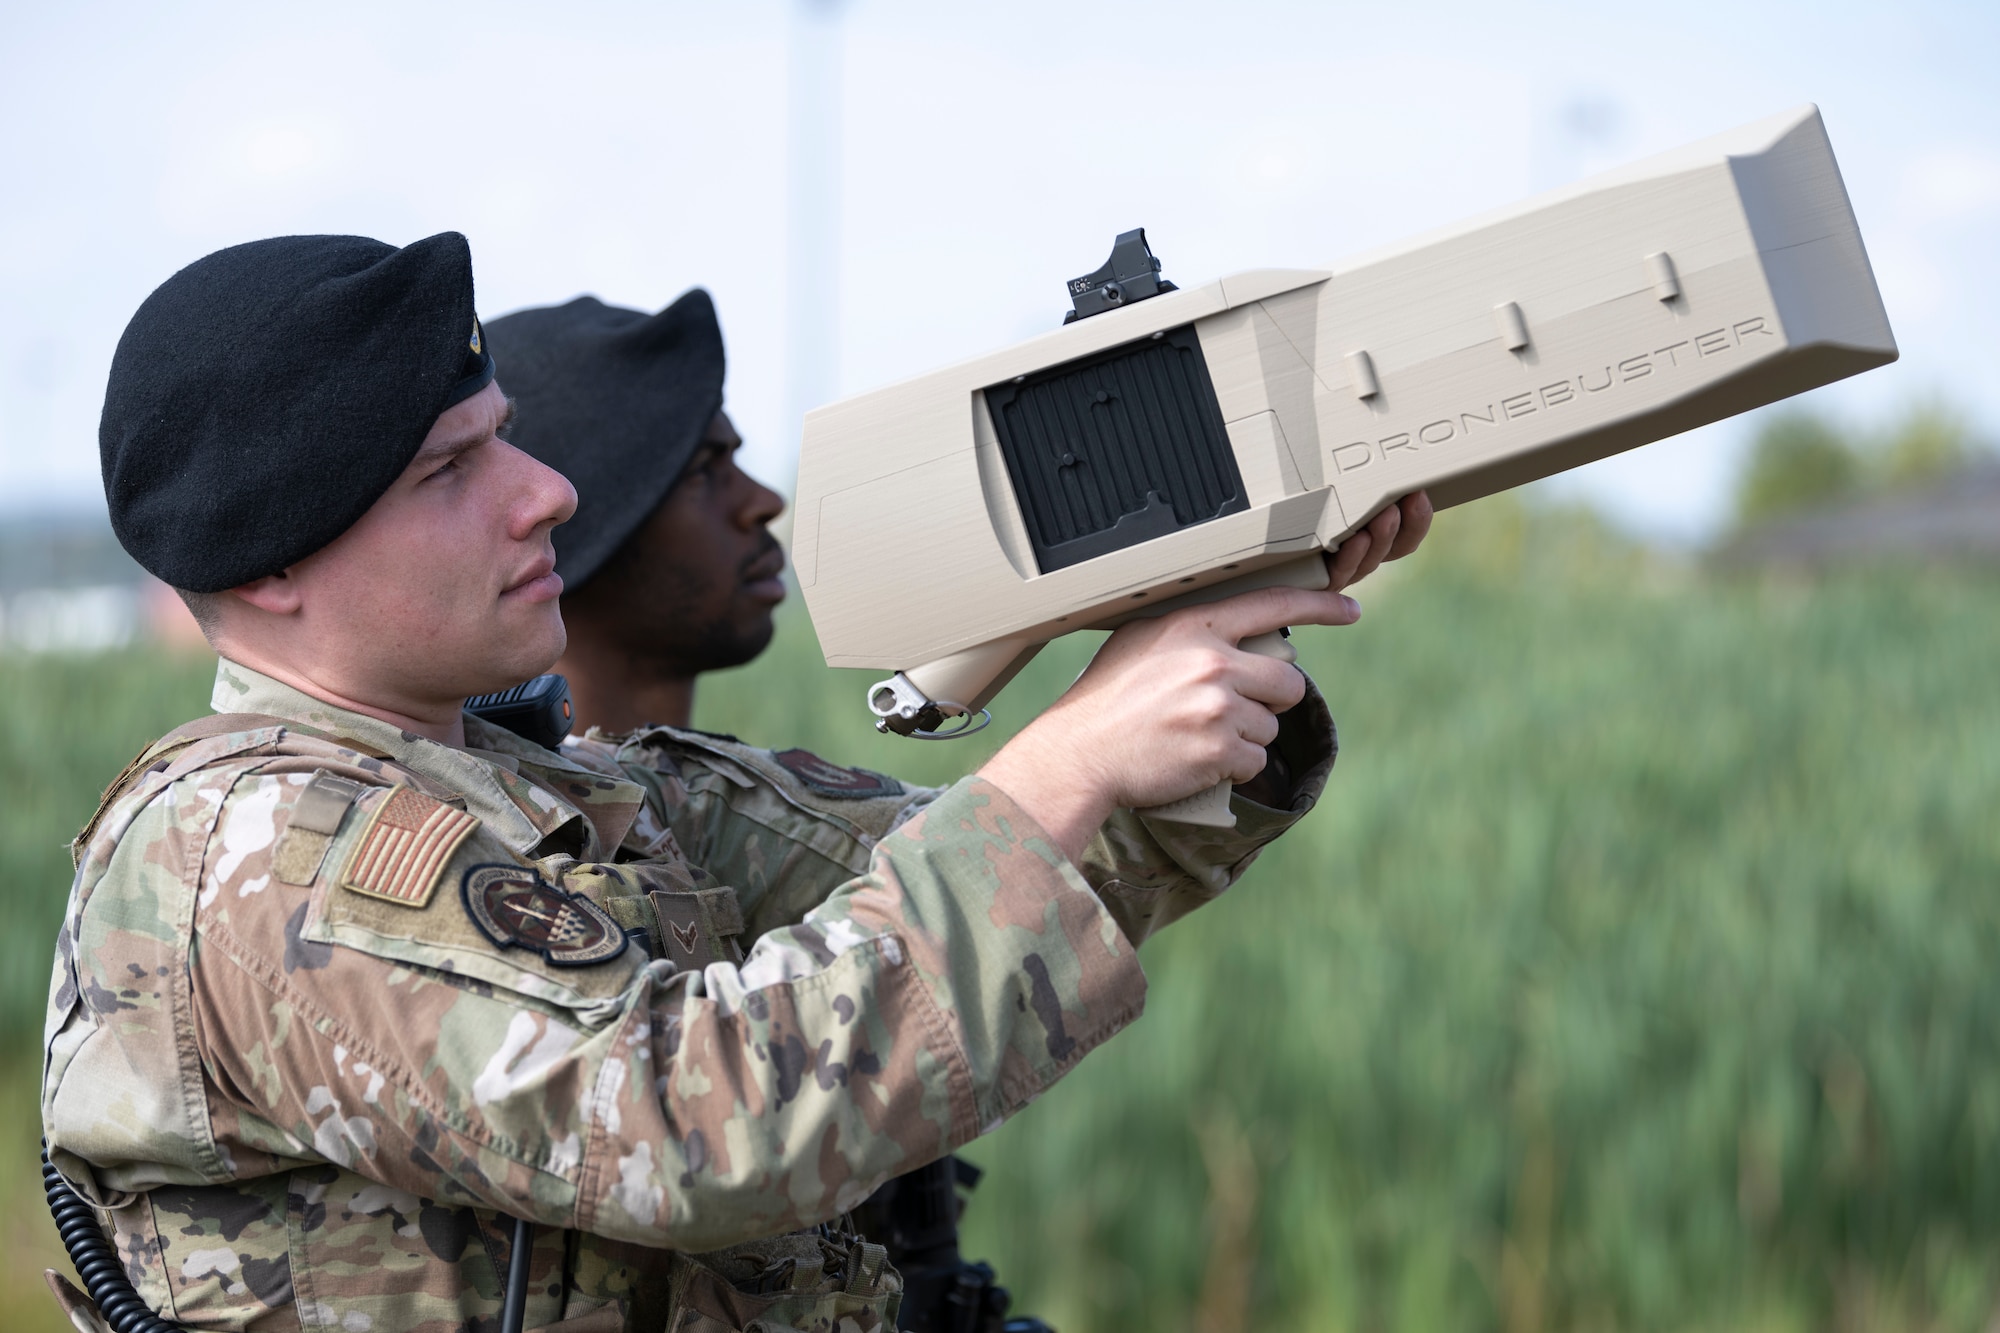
986	155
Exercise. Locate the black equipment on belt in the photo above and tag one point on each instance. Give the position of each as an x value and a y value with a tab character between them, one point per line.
916	1217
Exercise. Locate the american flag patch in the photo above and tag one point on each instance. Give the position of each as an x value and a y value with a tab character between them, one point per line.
403	851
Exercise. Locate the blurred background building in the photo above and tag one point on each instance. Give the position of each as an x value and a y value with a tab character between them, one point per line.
67	586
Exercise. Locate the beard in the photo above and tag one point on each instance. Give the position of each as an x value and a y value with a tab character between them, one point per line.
682	622
734	636
717	645
675	613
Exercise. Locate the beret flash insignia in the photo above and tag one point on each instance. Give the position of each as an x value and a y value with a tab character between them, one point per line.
516	908
474	346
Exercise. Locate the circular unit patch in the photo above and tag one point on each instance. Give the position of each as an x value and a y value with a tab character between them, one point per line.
516	908
848	784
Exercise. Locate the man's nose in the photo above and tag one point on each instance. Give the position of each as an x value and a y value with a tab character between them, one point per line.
762	505
546	496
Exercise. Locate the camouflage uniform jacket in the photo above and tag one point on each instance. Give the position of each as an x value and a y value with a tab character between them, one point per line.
332	1002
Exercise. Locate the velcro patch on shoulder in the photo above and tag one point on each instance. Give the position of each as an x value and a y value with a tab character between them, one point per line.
853	784
402	853
315	819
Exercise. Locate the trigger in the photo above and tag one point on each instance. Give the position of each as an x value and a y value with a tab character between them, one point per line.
1276	643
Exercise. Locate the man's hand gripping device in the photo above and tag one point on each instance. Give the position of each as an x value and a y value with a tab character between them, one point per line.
1166	447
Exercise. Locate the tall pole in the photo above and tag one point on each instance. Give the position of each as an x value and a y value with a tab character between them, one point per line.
813	225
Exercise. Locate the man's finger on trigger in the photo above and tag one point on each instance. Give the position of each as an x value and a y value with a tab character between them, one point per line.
1299	607
1265	609
1326	608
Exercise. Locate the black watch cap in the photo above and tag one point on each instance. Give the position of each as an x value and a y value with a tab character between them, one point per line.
616	400
264	397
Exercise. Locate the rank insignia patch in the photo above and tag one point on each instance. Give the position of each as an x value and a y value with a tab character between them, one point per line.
855	784
405	847
516	908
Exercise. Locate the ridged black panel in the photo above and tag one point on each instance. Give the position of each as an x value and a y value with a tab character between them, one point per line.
1116	449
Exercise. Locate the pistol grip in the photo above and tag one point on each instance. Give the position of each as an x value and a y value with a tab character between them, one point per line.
1210	808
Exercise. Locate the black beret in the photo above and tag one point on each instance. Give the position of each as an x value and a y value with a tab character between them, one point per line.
264	397
616	400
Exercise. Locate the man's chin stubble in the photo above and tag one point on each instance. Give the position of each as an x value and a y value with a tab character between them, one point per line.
719	646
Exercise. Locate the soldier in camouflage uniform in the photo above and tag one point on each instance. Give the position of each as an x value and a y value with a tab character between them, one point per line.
348	977
670	570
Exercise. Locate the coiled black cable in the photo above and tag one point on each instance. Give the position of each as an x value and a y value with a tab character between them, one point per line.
96	1261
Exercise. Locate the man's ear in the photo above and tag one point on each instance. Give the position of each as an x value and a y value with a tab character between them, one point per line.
276	594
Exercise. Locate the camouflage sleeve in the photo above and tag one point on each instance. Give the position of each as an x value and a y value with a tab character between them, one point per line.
784	828
120	1096
918	1005
1151	872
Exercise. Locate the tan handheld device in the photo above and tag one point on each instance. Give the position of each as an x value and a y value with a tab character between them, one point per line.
1167	445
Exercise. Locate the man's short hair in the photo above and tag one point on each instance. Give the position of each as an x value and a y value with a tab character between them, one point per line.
206	608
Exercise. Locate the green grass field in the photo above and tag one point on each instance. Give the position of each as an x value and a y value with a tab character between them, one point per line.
1636	972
